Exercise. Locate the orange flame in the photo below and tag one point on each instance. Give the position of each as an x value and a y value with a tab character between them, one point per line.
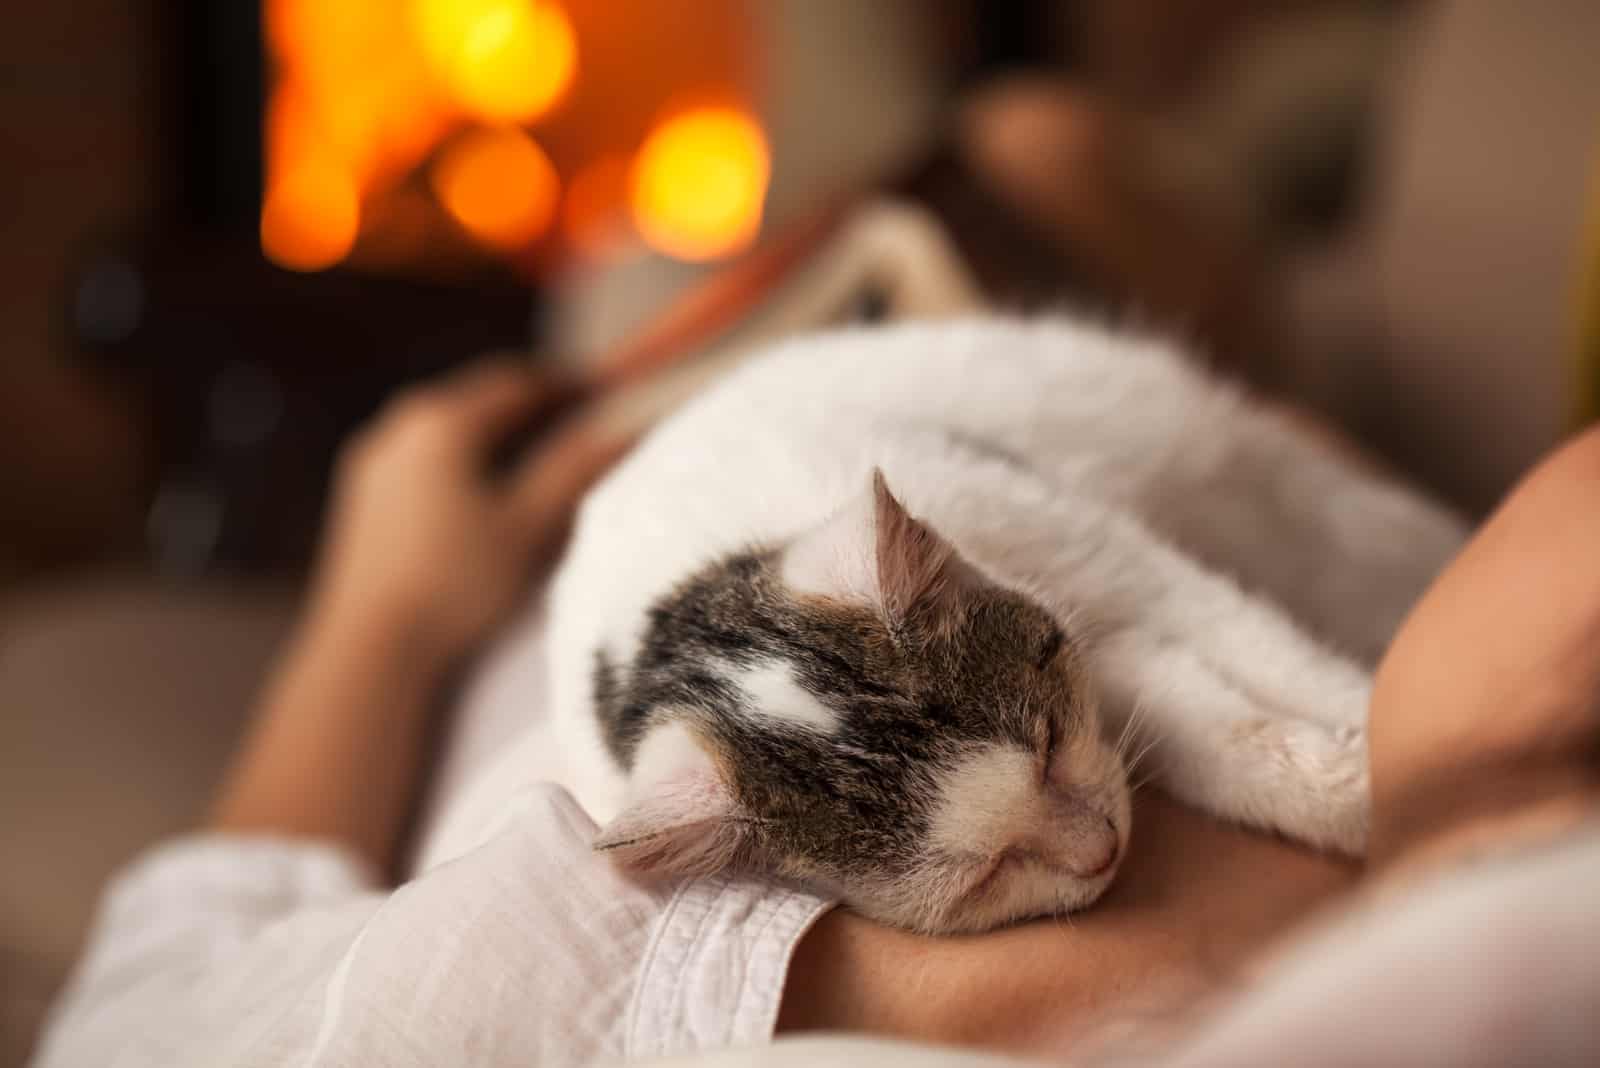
498	185
310	217
500	60
364	92
699	182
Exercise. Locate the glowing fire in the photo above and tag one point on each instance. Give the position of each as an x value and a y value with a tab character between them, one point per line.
366	91
500	60
310	216
498	185
699	182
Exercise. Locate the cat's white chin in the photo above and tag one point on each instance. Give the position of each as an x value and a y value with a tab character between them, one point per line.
1016	892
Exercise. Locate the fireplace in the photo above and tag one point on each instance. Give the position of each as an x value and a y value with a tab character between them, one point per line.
369	191
407	136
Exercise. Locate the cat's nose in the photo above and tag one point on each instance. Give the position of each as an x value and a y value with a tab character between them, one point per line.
1087	849
1106	852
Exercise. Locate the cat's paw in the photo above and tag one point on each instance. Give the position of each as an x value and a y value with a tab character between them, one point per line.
1314	781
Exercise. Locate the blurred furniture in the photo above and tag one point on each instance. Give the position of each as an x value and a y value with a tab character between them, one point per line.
121	697
1382	211
1444	330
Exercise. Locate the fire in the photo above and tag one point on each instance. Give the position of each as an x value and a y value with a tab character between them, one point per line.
310	217
498	185
699	182
364	92
500	60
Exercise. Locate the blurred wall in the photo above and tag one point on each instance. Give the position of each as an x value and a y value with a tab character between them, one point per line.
77	125
1444	331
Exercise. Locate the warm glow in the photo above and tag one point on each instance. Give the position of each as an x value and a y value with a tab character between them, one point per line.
699	182
386	116
353	108
310	217
594	213
501	60
498	185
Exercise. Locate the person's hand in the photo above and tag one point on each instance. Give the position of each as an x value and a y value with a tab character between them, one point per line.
422	543
423	553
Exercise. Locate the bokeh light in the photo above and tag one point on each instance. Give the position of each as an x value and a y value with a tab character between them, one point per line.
501	60
365	91
699	182
353	107
498	185
310	216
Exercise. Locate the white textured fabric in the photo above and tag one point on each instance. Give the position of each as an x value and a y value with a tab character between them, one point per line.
527	950
515	945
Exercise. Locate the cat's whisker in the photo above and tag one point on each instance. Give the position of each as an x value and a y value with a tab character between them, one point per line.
1141	712
1122	738
1130	762
1139	757
1130	731
1143	753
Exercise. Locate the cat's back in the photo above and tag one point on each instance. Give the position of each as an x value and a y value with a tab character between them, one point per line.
778	444
783	440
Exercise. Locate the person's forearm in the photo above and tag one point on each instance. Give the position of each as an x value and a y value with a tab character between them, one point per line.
1194	902
336	751
1484	713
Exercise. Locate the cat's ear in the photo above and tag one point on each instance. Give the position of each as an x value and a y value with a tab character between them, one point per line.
921	578
873	551
681	818
838	558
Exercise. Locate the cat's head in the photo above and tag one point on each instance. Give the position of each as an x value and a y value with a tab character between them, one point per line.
864	711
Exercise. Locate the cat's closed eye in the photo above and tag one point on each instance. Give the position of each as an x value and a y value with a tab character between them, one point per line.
1052	646
1049	735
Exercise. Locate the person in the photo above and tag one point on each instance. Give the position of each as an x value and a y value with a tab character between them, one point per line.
279	932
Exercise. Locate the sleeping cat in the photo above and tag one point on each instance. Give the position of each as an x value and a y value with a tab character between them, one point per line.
885	612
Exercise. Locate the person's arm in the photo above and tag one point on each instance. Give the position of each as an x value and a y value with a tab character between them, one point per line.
424	553
1485	720
1193	901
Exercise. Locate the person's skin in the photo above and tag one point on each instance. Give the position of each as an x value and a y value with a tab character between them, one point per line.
1485	722
425	555
1192	902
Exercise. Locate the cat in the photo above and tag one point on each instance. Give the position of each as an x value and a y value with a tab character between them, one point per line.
885	611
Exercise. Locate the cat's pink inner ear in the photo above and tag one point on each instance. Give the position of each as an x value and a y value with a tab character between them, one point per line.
920	576
684	824
836	558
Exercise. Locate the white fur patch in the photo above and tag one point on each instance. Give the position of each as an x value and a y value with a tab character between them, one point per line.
986	801
668	752
840	557
678	819
775	695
